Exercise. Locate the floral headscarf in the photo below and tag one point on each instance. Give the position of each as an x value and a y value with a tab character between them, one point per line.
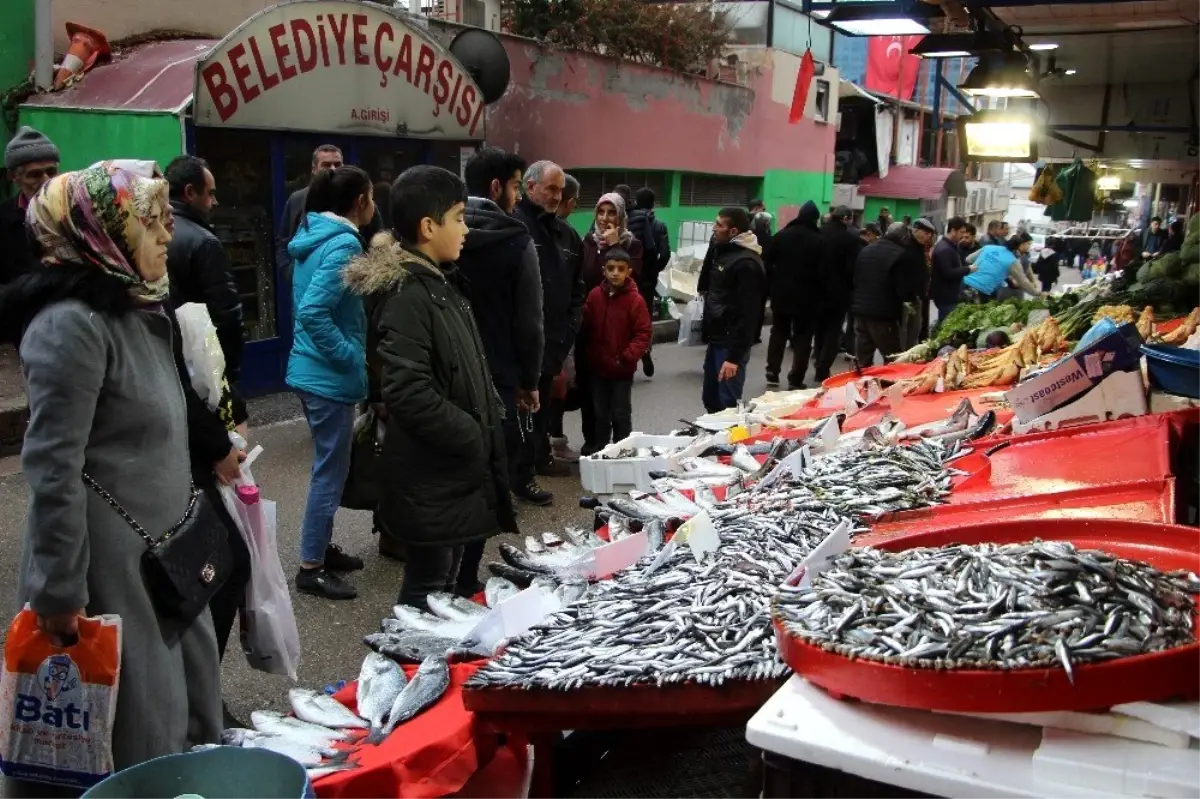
88	217
617	202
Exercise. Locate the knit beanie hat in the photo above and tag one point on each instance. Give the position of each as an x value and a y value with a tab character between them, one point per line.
27	147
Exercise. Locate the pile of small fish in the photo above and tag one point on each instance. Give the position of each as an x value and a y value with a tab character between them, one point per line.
701	622
991	606
637	452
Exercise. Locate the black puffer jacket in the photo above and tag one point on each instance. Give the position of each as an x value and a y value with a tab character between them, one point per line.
837	269
200	272
18	253
500	264
793	261
443	453
886	276
736	286
562	289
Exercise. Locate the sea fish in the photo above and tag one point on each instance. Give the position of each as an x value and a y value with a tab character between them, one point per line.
743	460
274	723
380	681
409	618
322	709
498	589
518	559
424	688
306	755
518	577
455	608
317	772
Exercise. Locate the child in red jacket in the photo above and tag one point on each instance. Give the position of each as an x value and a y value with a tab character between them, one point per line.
617	329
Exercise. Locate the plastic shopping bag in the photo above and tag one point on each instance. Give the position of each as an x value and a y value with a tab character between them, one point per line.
202	352
269	635
58	703
690	324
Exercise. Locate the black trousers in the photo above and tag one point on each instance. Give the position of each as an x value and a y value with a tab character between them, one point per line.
613	404
427	571
468	569
517	446
826	335
231	596
583	390
872	334
789	328
539	441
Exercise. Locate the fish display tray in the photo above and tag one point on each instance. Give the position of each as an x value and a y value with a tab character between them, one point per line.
610	475
1152	677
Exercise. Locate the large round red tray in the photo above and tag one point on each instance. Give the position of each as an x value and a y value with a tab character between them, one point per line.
1162	675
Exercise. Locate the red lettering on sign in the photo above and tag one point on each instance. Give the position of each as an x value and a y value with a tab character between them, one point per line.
478	115
454	94
306	61
463	114
441	91
286	70
269	81
339	35
383	63
404	59
241	72
224	98
324	43
424	67
360	40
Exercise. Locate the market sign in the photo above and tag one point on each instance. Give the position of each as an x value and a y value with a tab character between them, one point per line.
335	66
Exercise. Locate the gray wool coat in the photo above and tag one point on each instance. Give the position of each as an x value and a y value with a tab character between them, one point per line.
104	396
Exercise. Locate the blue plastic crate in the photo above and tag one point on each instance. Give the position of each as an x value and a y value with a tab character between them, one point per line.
1175	370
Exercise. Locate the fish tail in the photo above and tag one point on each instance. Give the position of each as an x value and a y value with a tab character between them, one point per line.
376	736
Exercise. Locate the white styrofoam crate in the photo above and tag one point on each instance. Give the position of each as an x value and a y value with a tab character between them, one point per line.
602	476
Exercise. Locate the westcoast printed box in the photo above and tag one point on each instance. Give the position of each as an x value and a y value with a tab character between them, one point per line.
1076	374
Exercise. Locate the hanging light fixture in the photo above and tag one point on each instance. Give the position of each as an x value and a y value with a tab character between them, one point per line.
998	136
1007	76
960	45
882	19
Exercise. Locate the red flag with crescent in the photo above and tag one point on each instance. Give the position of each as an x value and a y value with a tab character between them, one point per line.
891	69
804	76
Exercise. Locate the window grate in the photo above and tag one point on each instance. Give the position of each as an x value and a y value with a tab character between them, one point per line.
473	13
716	191
594	183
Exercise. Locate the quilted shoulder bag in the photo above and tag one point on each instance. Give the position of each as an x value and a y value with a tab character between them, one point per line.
186	565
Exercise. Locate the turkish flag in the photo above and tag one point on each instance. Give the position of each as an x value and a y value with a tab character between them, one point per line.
804	78
891	69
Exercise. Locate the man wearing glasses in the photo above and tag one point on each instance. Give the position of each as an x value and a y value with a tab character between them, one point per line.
31	159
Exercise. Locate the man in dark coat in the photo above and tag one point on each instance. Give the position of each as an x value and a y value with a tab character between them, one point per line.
31	159
196	259
792	263
841	248
733	287
886	276
443	452
562	305
326	156
656	254
948	268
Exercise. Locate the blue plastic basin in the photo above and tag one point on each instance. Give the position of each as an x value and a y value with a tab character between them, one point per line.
223	773
1175	370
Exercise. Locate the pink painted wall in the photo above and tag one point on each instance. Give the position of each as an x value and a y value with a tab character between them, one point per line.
587	111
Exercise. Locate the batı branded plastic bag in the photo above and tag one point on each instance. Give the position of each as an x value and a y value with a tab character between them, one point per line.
691	323
58	703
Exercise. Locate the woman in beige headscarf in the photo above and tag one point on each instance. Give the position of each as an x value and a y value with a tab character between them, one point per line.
105	398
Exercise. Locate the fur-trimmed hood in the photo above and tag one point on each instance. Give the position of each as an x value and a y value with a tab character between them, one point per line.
25	297
387	264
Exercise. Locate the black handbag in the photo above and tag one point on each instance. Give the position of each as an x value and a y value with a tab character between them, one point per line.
361	491
186	565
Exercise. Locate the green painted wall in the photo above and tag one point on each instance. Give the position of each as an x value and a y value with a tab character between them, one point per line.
16	57
85	137
898	208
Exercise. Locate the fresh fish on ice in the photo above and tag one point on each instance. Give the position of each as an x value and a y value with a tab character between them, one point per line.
270	722
409	618
497	589
322	709
455	608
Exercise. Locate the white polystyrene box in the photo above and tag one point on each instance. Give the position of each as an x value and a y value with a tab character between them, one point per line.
603	476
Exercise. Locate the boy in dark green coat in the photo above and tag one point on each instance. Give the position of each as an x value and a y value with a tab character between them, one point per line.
444	477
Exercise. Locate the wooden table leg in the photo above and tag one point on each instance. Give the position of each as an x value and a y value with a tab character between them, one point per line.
541	785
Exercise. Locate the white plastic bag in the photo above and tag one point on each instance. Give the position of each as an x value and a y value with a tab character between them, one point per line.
59	702
690	324
202	352
269	635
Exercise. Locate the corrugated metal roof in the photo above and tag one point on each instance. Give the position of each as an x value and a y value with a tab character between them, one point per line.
156	76
915	183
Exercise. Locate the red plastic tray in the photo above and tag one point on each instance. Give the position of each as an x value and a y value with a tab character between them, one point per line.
1158	676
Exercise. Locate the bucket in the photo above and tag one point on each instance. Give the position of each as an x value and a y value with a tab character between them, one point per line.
1175	370
222	773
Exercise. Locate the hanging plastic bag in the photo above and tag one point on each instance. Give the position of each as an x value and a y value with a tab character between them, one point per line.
691	323
202	352
270	639
59	702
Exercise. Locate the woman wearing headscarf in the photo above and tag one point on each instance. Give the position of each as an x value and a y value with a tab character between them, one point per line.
102	374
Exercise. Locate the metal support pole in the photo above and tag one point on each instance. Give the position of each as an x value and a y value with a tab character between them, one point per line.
43	64
1073	142
962	98
937	113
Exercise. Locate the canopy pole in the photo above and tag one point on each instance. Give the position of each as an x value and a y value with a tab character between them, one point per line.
43	65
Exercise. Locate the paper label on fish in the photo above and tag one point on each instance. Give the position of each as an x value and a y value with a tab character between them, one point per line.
514	616
612	558
818	560
700	535
793	464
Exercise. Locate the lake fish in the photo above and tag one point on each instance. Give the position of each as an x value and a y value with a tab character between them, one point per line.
380	681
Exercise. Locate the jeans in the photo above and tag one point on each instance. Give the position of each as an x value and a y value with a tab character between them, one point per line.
721	394
231	596
429	570
613	405
332	426
788	328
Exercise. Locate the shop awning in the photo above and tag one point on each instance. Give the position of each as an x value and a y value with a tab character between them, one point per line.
150	77
915	183
847	88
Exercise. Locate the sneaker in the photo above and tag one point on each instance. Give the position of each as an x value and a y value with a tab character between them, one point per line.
534	494
772	379
561	451
648	366
336	560
555	468
324	583
797	386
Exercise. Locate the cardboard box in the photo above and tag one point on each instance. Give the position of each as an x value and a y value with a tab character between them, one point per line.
1076	374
